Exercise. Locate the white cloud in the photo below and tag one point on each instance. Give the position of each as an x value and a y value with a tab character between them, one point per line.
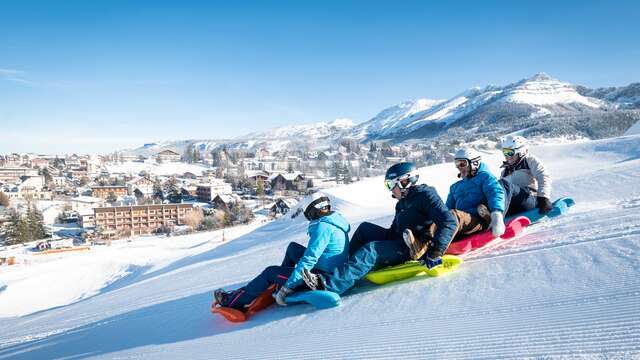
15	76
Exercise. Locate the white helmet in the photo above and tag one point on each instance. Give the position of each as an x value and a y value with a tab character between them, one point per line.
516	143
312	205
472	156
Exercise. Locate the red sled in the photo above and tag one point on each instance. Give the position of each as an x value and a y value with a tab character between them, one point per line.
483	238
234	315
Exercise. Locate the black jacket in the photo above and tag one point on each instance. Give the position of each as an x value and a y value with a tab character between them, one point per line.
421	207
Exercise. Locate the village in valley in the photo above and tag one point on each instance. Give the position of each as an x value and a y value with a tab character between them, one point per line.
54	203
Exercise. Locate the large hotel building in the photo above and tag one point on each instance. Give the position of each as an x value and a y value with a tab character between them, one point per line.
140	219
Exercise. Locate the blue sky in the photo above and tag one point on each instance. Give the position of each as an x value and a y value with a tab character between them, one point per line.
95	76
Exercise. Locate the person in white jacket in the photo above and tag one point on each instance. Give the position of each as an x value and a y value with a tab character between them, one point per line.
525	179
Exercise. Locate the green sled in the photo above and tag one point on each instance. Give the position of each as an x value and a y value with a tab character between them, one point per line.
412	269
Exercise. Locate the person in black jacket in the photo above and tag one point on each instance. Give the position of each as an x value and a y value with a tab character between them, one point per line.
419	211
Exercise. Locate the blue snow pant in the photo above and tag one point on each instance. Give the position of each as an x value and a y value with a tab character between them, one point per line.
271	275
516	199
371	247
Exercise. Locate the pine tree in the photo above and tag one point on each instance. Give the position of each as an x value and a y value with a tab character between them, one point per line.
35	224
111	197
259	187
158	193
16	232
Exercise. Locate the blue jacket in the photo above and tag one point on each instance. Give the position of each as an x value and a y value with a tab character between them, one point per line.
483	188
421	207
328	247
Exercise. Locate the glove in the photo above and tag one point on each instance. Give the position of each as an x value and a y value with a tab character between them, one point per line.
432	258
497	223
281	294
544	205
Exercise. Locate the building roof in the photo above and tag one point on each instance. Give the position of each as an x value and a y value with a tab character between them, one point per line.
227	198
87	199
110	187
287	176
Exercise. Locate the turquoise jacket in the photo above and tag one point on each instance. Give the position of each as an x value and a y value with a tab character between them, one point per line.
328	247
483	188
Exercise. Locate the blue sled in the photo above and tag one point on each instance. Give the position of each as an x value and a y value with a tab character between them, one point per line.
560	207
319	298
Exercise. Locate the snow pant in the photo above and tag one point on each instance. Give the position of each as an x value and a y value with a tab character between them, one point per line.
271	275
467	224
516	198
371	247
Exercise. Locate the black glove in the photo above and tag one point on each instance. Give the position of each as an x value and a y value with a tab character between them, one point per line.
544	205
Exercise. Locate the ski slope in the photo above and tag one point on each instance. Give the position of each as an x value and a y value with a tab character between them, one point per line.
567	288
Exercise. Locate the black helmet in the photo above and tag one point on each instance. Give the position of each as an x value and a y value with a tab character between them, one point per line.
313	205
398	172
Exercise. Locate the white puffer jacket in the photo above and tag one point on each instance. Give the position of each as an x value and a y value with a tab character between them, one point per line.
530	173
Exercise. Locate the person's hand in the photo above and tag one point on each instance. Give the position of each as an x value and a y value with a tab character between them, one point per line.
281	294
497	223
432	258
544	205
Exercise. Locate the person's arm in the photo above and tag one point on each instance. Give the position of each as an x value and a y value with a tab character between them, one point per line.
542	176
494	193
451	202
319	237
443	218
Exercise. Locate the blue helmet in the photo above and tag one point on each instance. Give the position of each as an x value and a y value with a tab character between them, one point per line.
399	172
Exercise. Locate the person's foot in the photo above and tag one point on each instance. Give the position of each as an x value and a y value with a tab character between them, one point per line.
313	281
416	247
224	298
484	213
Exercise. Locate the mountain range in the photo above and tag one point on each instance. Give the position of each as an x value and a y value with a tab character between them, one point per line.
536	106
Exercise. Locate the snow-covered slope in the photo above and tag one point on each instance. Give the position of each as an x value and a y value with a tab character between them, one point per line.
569	287
392	118
624	97
316	130
634	130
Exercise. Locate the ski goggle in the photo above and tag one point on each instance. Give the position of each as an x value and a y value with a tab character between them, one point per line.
390	184
508	152
461	163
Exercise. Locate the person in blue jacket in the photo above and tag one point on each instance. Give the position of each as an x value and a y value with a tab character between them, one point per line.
419	211
327	248
478	199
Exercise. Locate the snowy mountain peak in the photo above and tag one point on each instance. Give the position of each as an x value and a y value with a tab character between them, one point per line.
541	89
541	76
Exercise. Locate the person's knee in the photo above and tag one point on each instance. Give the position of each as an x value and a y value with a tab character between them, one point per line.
368	250
271	270
293	246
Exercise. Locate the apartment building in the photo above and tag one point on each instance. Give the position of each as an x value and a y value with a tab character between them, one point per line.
104	191
12	174
208	192
168	156
140	219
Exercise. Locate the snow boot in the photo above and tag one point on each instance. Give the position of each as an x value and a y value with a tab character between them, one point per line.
226	298
416	247
313	281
